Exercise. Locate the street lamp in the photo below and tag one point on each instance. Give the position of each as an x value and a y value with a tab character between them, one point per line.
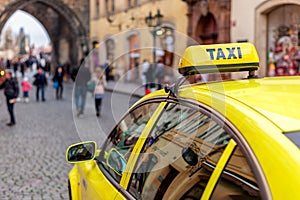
154	22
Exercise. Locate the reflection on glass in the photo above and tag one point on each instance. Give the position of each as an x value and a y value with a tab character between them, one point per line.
116	161
123	138
187	145
237	180
81	152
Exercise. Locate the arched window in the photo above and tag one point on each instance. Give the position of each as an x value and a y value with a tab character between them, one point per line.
207	29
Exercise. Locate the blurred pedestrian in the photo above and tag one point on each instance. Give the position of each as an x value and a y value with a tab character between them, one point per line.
22	69
160	73
40	82
15	67
106	69
145	68
100	81
151	78
67	68
7	64
136	69
26	86
81	75
59	77
11	92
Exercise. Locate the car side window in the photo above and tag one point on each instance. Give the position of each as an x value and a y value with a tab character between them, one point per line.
119	144
180	155
237	180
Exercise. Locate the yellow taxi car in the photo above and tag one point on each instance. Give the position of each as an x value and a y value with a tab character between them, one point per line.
236	139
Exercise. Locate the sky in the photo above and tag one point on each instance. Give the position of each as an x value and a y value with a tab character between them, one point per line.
32	27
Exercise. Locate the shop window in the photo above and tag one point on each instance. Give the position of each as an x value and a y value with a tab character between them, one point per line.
237	180
117	149
284	57
186	145
284	41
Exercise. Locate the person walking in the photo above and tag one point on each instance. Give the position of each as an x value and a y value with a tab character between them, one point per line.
81	75
145	69
100	81
11	92
58	77
105	66
150	76
16	66
160	74
40	82
26	86
22	69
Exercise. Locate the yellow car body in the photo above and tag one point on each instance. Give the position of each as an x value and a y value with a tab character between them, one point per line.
254	123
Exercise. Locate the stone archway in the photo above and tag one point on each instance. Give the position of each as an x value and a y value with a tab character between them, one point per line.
261	28
67	29
207	29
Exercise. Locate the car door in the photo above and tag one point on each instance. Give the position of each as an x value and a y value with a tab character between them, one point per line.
116	153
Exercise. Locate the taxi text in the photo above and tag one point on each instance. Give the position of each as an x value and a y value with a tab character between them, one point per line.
230	53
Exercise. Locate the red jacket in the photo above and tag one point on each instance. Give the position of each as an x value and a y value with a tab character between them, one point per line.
26	86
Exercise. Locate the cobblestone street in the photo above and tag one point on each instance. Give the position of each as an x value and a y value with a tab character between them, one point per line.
33	162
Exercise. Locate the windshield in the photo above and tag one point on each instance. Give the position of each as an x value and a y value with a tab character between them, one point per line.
294	137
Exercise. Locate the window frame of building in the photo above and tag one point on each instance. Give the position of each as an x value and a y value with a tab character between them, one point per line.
97	8
110	6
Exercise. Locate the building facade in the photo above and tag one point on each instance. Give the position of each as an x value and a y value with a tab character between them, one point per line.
125	39
66	22
126	34
274	27
210	21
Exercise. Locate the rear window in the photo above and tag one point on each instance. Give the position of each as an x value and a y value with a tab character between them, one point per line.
294	137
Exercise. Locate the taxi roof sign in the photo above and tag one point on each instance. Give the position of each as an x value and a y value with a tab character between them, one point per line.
230	57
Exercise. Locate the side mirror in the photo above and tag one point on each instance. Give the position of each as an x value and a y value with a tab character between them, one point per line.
116	161
81	152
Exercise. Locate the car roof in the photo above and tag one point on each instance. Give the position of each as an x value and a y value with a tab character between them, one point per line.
277	98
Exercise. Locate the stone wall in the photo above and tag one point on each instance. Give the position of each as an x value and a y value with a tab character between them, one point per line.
67	23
